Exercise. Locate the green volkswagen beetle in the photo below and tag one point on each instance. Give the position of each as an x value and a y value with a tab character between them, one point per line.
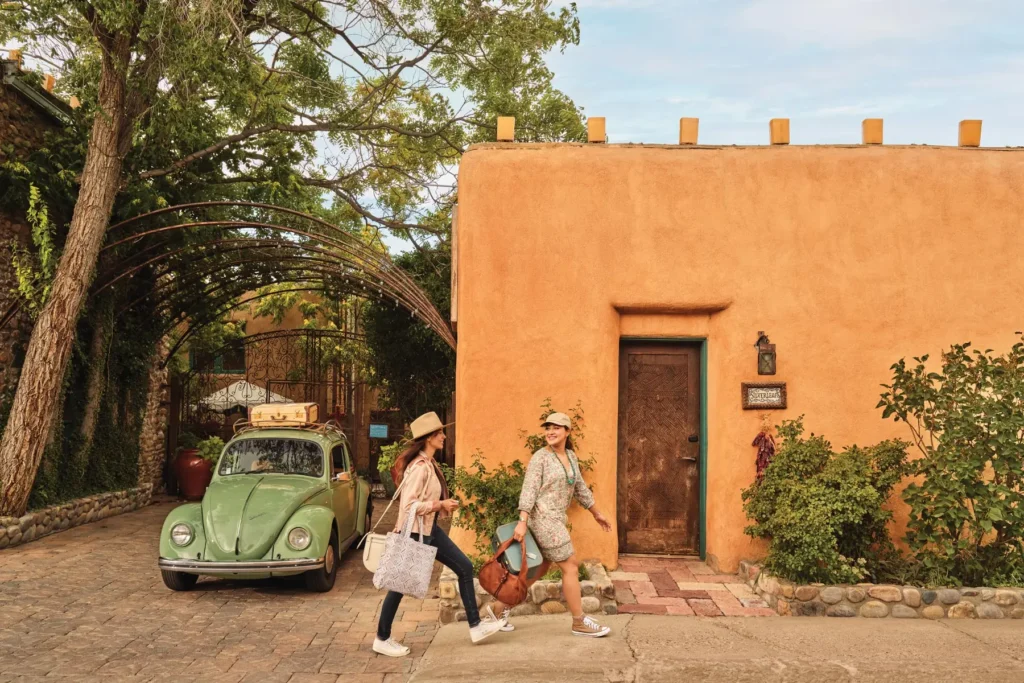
283	501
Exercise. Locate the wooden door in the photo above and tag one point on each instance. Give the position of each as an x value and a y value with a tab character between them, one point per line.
659	448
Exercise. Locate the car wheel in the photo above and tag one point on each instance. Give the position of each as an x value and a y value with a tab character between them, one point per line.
322	580
178	581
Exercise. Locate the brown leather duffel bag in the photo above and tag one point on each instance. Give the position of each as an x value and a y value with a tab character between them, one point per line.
508	588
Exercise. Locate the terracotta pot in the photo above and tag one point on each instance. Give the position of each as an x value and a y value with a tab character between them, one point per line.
193	473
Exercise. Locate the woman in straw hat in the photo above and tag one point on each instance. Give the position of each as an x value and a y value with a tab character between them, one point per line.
423	485
553	479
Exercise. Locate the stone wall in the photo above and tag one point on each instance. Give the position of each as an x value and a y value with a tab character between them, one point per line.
29	527
22	125
879	600
22	129
545	596
153	436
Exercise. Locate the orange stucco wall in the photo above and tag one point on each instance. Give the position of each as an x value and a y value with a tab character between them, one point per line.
848	257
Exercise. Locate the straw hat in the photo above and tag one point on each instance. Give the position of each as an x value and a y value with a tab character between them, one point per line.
425	424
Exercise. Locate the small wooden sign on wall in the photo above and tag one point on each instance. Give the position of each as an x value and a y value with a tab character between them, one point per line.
764	395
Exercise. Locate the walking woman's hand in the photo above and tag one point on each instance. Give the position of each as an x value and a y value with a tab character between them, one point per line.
520	532
449	505
602	521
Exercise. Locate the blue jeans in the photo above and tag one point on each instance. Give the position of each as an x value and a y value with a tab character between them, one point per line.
450	556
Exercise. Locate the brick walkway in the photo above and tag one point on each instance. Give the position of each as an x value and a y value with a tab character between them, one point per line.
89	605
687	587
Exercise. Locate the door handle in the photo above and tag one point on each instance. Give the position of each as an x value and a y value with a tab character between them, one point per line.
689	459
693	438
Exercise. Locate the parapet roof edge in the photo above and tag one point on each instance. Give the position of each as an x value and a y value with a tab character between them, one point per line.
640	145
46	102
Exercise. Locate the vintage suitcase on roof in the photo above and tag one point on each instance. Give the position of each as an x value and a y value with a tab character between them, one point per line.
284	414
513	557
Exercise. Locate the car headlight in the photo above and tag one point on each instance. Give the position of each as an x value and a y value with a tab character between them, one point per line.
181	534
299	538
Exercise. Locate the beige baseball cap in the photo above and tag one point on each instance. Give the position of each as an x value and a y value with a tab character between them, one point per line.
560	419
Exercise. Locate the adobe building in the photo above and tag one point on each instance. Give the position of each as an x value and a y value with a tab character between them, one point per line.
638	279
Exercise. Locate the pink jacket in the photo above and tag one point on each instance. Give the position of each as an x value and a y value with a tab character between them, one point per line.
420	484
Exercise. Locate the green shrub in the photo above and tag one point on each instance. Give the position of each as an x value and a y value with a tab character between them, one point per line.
386	458
187	440
966	522
489	498
821	511
210	449
385	461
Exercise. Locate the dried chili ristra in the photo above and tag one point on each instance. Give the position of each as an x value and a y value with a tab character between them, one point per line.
765	452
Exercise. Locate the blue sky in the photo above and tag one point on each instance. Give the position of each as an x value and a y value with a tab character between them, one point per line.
922	65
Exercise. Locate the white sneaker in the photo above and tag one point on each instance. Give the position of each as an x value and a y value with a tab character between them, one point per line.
485	629
505	615
389	648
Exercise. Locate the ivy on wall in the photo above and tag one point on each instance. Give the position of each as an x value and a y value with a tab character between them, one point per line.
73	467
41	189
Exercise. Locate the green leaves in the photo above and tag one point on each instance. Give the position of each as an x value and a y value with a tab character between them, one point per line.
210	449
412	364
967	418
34	267
368	105
822	511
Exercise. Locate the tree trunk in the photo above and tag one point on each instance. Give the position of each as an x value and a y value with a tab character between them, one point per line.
38	396
97	378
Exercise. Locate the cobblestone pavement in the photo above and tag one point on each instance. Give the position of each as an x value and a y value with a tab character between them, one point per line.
88	604
651	585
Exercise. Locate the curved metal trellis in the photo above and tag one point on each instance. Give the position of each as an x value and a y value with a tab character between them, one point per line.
213	260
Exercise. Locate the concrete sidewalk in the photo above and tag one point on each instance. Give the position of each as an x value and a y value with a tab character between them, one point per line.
655	649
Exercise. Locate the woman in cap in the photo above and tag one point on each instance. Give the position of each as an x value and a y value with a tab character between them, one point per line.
423	484
553	479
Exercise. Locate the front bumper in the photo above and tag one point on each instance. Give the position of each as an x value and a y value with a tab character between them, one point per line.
261	567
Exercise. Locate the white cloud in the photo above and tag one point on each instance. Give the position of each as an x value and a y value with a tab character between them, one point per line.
718	107
1004	75
855	23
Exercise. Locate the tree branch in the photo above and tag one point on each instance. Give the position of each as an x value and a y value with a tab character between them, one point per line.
299	128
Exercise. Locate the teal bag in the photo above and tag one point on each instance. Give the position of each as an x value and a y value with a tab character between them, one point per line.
512	558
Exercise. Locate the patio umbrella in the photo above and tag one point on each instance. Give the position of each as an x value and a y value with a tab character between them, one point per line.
240	394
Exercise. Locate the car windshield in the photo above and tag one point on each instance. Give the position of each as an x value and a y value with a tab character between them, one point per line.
273	456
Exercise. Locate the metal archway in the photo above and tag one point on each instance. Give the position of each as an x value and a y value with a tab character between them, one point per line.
213	252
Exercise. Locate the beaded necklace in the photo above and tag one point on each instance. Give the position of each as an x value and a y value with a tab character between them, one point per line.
570	479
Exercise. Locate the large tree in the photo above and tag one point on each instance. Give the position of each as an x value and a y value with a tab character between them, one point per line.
369	101
414	366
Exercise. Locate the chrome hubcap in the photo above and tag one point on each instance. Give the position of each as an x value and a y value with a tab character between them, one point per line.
329	559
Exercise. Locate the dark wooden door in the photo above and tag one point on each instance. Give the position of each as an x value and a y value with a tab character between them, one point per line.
659	448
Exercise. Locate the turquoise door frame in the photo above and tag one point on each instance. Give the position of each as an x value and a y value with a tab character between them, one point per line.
703	341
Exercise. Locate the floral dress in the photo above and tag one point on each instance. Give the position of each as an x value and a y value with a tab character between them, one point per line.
548	490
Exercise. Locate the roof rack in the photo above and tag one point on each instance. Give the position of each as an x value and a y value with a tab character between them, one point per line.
242	426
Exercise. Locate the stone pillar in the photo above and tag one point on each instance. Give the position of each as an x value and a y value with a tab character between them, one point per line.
152	438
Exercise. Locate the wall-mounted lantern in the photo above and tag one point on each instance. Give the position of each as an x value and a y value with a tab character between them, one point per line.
765	355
